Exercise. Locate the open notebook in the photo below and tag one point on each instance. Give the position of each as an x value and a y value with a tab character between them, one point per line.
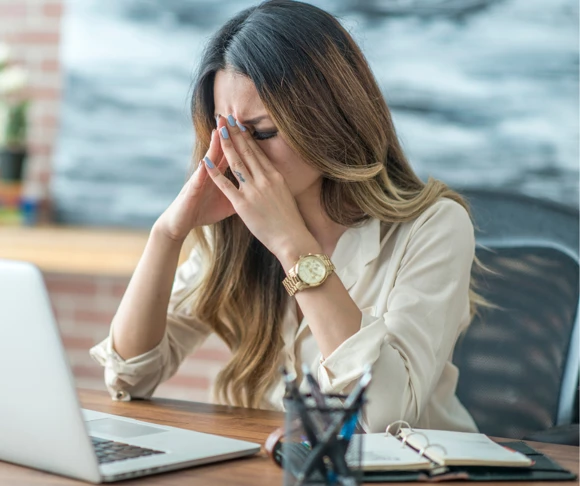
419	449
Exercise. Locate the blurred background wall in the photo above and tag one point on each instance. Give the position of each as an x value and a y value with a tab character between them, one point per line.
32	29
483	93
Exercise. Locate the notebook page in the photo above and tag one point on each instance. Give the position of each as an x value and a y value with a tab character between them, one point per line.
382	453
464	448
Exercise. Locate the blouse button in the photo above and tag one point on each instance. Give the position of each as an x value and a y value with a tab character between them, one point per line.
121	395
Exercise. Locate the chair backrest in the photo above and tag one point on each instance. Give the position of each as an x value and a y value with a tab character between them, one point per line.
519	362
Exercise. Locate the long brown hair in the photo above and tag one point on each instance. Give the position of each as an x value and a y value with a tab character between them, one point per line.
320	92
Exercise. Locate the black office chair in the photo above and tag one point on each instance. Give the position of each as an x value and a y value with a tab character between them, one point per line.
519	362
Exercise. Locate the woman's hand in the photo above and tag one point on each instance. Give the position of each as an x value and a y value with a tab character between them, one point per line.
263	199
199	202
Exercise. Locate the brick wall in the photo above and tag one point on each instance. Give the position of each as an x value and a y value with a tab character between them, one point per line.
84	306
32	29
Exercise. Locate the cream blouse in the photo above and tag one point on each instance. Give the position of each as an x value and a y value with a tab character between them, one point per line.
411	283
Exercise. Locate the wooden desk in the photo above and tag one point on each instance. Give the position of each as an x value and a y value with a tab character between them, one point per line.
75	250
251	425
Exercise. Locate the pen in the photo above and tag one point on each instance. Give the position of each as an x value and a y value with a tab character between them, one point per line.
350	426
338	448
309	427
294	393
317	451
314	387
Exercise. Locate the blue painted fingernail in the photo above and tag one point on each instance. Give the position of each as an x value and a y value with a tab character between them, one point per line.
231	121
217	119
224	132
208	162
242	127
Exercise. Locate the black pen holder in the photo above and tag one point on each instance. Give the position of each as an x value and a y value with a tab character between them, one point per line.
321	444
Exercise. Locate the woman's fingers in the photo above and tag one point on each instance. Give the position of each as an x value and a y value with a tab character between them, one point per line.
240	137
215	149
197	179
250	152
221	181
200	175
240	169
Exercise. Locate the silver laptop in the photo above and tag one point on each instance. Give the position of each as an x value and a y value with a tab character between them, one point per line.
41	422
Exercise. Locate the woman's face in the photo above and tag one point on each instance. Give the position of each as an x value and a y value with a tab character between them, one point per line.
237	95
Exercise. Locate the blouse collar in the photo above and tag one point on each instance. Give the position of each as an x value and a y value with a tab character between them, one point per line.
357	247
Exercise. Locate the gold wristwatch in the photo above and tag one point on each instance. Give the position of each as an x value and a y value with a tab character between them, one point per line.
309	271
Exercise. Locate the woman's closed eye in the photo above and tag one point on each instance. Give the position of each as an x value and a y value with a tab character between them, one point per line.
264	135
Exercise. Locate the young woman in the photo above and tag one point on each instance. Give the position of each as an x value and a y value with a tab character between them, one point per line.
314	240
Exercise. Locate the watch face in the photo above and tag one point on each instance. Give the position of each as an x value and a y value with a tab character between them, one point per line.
311	270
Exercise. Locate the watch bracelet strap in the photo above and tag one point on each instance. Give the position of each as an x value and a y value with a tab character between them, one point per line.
292	282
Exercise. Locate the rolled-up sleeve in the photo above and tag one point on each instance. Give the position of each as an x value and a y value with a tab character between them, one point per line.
409	345
139	376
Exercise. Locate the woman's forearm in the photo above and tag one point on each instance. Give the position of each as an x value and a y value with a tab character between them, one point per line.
331	313
140	321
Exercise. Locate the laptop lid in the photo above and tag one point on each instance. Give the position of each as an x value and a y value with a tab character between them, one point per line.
41	424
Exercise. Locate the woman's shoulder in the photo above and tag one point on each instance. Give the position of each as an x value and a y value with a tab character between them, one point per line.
445	218
443	215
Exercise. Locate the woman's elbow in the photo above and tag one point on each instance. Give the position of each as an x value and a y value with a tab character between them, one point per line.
390	405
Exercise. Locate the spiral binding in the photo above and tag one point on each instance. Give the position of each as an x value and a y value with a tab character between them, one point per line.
405	425
439	446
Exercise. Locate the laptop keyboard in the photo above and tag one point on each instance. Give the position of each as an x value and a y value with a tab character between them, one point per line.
111	451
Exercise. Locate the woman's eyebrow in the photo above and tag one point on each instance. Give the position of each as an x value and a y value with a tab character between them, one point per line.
254	121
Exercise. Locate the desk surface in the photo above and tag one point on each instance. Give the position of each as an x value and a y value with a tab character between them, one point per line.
76	250
251	425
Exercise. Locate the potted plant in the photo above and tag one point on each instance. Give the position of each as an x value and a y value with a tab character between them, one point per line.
13	117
